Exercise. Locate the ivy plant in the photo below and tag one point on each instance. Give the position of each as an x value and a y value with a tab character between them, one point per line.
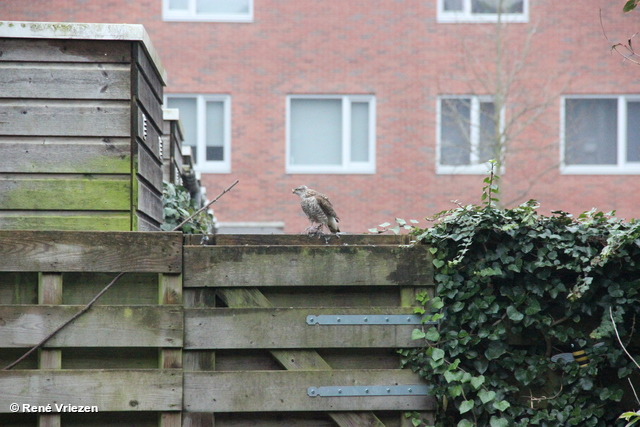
523	301
179	206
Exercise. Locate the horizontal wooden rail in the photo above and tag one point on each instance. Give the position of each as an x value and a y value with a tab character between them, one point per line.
271	328
109	390
86	251
102	326
266	391
259	266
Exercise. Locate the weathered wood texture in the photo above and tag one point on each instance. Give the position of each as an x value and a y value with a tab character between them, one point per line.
287	328
109	390
65	155
297	240
277	390
79	251
102	326
69	113
246	266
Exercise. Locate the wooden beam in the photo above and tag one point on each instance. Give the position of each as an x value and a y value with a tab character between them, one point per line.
65	81
65	155
252	266
109	390
102	326
303	239
100	252
170	294
49	292
225	328
65	193
287	390
65	118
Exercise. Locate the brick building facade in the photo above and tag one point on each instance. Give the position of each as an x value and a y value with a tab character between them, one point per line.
350	98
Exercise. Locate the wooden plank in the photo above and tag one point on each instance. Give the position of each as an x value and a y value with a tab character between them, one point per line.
294	419
102	326
146	132
109	390
150	72
52	50
65	155
49	292
148	100
333	296
150	169
287	390
109	358
61	220
100	252
65	81
65	118
304	239
224	328
230	266
60	193
150	202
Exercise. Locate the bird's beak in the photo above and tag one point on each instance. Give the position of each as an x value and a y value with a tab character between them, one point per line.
293	191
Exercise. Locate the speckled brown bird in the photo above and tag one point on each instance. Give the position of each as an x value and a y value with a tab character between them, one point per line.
318	209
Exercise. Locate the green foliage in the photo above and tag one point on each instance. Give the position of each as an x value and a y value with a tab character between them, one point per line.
514	288
630	5
179	206
401	224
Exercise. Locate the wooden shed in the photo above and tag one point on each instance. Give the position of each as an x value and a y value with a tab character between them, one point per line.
80	127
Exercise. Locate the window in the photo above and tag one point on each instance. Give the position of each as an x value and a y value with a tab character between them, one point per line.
601	135
331	134
208	10
483	10
466	134
206	120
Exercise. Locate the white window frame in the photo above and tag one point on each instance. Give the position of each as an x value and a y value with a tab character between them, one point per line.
622	166
465	16
475	167
203	165
347	166
191	15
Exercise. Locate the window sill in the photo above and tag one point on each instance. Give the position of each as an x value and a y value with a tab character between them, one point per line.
454	18
207	18
600	170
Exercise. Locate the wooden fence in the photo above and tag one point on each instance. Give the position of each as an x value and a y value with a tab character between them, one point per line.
227	333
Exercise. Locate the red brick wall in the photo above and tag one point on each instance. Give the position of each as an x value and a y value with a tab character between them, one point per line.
397	51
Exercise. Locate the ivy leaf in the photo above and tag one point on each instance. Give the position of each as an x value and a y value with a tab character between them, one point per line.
384	225
502	405
465	423
514	314
432	334
486	395
495	350
476	382
498	422
437	354
438	263
417	334
466	406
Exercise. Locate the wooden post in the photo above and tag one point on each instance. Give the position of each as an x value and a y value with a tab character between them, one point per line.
49	293
170	292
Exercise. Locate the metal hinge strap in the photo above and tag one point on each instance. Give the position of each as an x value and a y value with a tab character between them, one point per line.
368	319
369	390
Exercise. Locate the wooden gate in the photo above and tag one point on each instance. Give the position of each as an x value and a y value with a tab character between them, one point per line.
240	331
251	352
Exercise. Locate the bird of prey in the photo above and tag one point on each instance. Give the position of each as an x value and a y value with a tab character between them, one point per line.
318	209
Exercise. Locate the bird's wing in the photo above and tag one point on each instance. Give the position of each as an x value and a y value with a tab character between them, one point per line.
326	206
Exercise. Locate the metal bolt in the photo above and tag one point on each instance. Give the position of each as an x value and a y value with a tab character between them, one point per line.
339	391
386	319
366	319
410	391
338	319
388	390
366	390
